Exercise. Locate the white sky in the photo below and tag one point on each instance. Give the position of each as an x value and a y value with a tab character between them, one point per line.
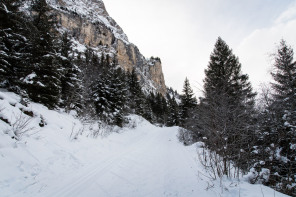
183	33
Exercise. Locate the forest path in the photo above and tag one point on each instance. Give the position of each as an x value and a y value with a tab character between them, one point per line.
152	164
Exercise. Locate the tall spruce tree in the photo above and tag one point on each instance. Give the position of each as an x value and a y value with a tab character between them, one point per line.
278	123
15	38
109	93
120	88
173	111
71	83
136	96
151	99
226	111
188	102
45	84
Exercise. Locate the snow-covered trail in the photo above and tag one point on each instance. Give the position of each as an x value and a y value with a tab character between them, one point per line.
155	164
135	162
146	162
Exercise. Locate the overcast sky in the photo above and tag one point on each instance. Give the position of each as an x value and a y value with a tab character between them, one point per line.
183	33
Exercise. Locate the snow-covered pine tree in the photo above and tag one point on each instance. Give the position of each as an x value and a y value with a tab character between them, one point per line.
86	62
15	36
44	84
119	94
109	93
226	111
71	82
278	123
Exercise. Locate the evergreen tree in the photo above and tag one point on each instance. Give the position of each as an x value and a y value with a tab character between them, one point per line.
45	84
109	94
278	123
15	31
158	108
152	105
226	112
173	112
71	83
136	96
148	113
188	102
91	69
119	87
284	76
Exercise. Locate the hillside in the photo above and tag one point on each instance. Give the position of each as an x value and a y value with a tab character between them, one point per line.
61	159
73	55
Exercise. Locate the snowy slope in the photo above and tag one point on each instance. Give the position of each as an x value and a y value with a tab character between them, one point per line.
142	161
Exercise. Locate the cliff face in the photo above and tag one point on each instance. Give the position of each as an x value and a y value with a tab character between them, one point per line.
90	24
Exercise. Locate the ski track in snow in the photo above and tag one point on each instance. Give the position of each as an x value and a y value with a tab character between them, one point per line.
155	165
146	162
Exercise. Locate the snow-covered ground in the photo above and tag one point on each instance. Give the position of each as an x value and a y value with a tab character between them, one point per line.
62	159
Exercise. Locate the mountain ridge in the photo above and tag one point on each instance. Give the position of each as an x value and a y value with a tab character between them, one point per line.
89	23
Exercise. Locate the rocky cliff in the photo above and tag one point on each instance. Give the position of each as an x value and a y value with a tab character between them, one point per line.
90	24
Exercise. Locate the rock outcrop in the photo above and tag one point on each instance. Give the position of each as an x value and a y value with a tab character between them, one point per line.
90	24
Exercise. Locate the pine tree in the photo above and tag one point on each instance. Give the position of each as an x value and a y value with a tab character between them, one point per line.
109	93
284	76
188	102
158	108
71	82
278	123
152	105
136	96
119	87
148	113
15	37
226	112
89	64
173	112
44	85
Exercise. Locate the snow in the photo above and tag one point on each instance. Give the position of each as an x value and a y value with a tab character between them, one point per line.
29	78
5	8
62	159
94	11
76	46
40	84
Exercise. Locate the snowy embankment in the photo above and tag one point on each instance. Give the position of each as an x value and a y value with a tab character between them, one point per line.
56	155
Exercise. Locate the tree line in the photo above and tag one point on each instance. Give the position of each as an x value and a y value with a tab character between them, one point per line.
38	62
240	134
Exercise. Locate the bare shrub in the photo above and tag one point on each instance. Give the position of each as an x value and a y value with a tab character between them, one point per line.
212	162
101	129
131	123
185	136
217	166
76	132
21	125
